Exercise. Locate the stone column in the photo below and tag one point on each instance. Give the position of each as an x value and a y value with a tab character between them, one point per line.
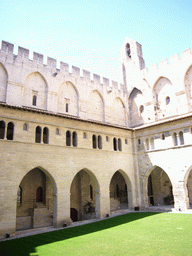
179	196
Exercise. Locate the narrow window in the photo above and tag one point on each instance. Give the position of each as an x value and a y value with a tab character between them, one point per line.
34	102
57	131
84	135
74	139
10	131
67	107
99	142
141	109
119	145
163	136
19	195
175	142
128	50
115	144
91	192
107	138
2	130
38	134
139	141
167	100
181	139
152	143
147	144
68	138
46	135
94	141
125	141
25	127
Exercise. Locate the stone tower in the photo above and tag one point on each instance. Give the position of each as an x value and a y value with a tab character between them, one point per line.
131	62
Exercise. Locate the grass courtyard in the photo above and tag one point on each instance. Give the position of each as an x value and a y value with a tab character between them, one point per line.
130	234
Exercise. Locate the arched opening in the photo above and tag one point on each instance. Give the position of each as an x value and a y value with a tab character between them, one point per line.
74	214
119	145
159	188
94	141
25	127
147	144
99	142
152	144
189	189
10	131
114	144
46	135
34	100
181	138
68	138
85	195
74	139
38	134
2	130
120	192
36	200
175	142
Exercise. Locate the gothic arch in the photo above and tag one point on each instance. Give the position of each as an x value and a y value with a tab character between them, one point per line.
96	106
39	192
3	82
119	112
167	189
120	181
188	86
35	91
162	90
68	99
136	100
188	187
81	198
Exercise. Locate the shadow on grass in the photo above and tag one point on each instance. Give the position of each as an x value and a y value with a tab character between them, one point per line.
26	245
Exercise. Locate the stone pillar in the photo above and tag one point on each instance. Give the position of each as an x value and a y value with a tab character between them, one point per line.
104	201
179	196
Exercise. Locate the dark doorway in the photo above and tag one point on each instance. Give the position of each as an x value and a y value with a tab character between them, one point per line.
150	190
74	214
39	194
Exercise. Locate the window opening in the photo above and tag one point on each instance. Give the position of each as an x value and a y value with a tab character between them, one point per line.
57	131
74	139
39	194
167	100
68	138
163	136
38	134
125	141
107	138
128	50
147	144
84	135
99	142
181	138
139	141
34	103
25	127
2	130
19	195
119	145
94	141
67	107
46	135
141	109
10	131
175	142
115	144
152	143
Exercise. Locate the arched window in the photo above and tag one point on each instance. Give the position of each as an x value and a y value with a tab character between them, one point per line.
10	131
141	109
147	144
57	131
74	139
19	195
99	142
34	101
119	145
125	141
167	100
91	192
84	135
46	135
2	130
115	144
94	141
68	138
25	127
38	134
139	141
163	136
67	107
181	138
107	138
152	143
175	142
128	50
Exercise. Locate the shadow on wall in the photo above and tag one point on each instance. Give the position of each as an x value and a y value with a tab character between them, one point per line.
26	246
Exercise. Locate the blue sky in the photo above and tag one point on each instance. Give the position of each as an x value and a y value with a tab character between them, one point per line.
89	33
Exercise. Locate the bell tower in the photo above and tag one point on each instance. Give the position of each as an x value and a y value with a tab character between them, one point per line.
131	62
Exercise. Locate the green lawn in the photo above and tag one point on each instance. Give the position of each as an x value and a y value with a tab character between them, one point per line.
130	234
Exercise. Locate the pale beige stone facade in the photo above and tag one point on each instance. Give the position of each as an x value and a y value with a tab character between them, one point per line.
75	148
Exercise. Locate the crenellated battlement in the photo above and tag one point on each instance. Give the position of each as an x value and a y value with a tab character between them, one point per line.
7	50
